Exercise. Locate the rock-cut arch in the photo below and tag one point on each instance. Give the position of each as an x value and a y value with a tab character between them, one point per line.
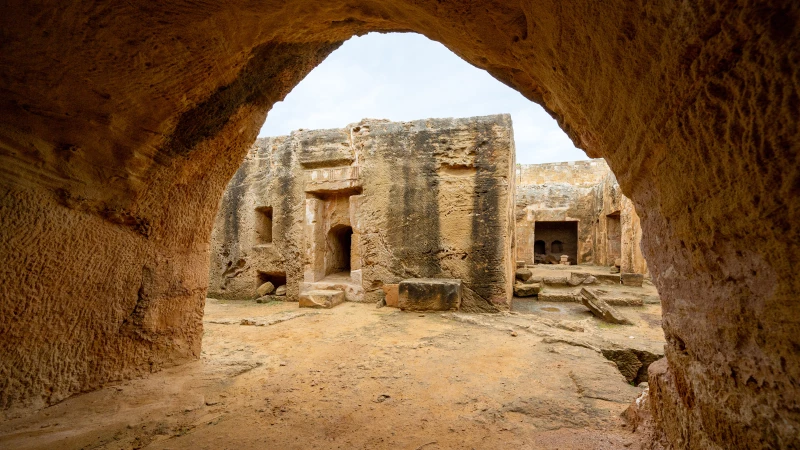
123	121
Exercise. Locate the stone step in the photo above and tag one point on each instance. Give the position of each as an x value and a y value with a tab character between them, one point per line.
352	292
321	298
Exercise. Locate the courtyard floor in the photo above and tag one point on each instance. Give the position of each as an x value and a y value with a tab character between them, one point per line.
273	376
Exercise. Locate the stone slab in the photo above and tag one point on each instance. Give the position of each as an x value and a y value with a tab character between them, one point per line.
391	292
558	295
526	289
430	294
321	299
555	281
523	274
631	279
602	309
607	278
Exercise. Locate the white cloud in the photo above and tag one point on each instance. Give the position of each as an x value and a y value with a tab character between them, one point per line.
405	77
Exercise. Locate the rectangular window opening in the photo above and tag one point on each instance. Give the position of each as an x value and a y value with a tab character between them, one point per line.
264	225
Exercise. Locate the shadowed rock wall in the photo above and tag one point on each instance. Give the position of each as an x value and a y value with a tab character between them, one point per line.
121	124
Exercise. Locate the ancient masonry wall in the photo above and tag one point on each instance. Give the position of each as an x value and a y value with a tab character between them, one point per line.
586	195
428	198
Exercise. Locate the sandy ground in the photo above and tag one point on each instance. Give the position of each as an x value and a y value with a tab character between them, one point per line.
357	377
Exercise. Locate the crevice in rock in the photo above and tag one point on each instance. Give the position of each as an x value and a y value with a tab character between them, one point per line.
632	363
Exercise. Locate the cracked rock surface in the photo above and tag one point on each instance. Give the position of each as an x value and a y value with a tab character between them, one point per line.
365	378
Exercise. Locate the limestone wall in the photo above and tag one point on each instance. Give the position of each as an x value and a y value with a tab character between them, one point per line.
429	198
574	173
240	261
437	203
585	193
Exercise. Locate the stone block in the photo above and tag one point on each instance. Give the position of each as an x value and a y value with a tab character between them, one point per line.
523	274
391	291
527	290
624	300
520	264
577	278
265	289
555	281
558	295
608	279
280	290
631	279
601	309
430	294
321	299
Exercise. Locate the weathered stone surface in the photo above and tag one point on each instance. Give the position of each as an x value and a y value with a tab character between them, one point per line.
638	414
580	205
319	218
527	289
577	278
632	363
113	174
280	291
391	291
321	299
602	309
352	292
623	300
631	279
555	281
429	294
523	275
265	289
558	295
608	278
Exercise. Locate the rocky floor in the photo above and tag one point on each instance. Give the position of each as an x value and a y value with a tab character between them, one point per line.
356	377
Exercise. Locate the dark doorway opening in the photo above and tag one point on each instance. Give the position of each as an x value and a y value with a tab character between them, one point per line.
562	237
339	241
539	248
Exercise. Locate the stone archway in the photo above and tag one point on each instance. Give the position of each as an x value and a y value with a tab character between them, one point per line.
121	124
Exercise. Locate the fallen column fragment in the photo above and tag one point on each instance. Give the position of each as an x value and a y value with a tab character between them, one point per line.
602	309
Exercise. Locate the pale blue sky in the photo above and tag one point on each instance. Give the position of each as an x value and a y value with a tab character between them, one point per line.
404	76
